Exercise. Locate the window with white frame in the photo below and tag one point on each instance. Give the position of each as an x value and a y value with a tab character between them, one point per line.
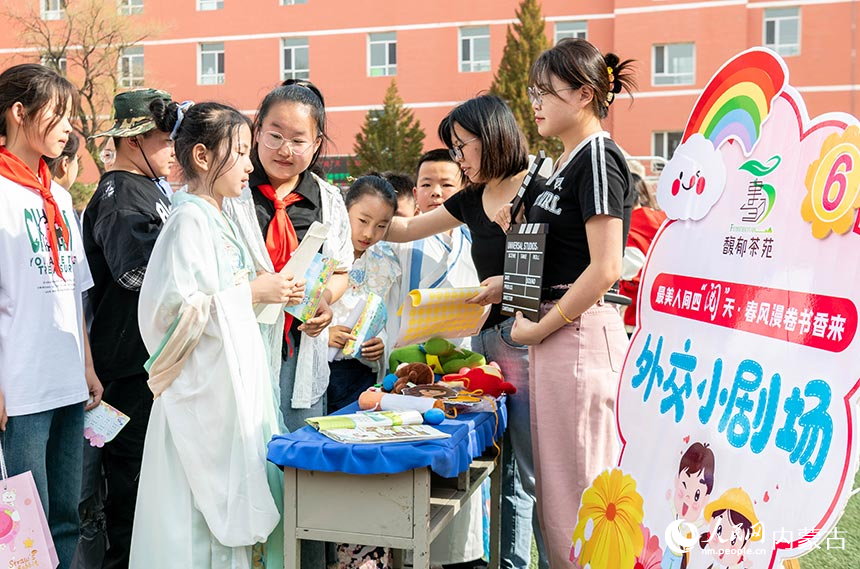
131	67
475	49
571	30
211	63
664	143
782	30
295	63
204	5
292	2
52	9
58	64
129	7
382	54
674	64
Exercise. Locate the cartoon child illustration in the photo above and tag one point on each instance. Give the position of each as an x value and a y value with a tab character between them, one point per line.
733	524
693	486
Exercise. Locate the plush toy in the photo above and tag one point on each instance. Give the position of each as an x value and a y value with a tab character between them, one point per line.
416	374
486	378
440	354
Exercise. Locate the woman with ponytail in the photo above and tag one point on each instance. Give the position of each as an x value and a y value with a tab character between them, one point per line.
577	346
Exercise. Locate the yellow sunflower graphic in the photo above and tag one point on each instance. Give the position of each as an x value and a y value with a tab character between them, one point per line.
833	185
608	533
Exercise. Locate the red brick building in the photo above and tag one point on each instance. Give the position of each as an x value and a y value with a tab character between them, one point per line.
442	52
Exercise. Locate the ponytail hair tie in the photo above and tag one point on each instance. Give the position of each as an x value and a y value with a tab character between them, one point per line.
180	114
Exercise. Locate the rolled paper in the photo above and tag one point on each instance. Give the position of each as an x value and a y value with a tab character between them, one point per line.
394	402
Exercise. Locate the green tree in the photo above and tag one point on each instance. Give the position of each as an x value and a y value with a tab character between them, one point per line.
526	39
390	139
87	40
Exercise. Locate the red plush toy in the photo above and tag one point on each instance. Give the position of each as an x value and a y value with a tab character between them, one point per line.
487	379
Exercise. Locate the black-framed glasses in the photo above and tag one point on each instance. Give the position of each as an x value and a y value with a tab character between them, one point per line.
456	150
275	140
536	95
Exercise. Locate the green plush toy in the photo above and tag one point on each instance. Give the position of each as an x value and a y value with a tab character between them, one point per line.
440	354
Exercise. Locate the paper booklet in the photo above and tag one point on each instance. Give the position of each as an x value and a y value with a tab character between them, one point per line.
376	427
394	434
440	312
298	265
366	419
370	323
103	423
317	276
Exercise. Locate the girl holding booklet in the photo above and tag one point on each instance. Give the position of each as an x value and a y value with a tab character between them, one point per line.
215	504
370	203
289	132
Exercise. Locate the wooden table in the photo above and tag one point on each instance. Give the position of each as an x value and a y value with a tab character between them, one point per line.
406	510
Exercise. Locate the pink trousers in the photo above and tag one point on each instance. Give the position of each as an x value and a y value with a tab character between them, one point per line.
573	378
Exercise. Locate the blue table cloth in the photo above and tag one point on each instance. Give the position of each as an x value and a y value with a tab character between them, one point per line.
471	434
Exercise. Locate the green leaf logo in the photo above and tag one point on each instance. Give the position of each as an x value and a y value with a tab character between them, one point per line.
758	169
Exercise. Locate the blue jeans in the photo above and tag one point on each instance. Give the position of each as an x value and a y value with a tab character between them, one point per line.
295	418
93	541
49	445
518	481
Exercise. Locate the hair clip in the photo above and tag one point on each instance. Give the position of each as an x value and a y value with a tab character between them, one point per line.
180	114
609	70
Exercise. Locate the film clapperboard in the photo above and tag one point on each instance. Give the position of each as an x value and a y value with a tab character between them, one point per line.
524	256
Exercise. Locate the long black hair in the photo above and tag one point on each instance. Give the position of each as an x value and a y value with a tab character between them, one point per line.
35	87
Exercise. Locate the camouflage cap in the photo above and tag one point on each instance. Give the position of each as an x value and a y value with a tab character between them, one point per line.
131	112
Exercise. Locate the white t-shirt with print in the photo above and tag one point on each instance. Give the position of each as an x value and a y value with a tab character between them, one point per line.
41	348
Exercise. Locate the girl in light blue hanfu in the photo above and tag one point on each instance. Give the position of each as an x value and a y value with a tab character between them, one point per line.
208	498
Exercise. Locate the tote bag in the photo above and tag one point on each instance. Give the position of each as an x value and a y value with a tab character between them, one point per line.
25	539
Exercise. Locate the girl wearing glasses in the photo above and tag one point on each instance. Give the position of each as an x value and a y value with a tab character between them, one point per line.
577	347
483	138
288	134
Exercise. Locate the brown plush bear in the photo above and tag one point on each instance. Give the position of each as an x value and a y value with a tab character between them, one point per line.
415	373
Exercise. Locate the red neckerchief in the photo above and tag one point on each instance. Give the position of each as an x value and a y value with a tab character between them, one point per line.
14	169
281	239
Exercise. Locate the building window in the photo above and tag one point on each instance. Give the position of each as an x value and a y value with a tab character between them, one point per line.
203	5
782	30
664	143
211	63
674	64
52	9
294	58
571	30
129	7
293	2
131	67
382	54
58	64
475	49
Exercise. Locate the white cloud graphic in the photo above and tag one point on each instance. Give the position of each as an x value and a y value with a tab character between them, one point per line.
693	181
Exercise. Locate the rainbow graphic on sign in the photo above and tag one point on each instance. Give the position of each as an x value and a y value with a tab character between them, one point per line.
738	99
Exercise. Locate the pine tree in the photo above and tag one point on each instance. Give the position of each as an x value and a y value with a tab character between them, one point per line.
526	39
390	139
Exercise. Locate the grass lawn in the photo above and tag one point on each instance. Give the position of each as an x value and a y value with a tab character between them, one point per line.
824	558
848	528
